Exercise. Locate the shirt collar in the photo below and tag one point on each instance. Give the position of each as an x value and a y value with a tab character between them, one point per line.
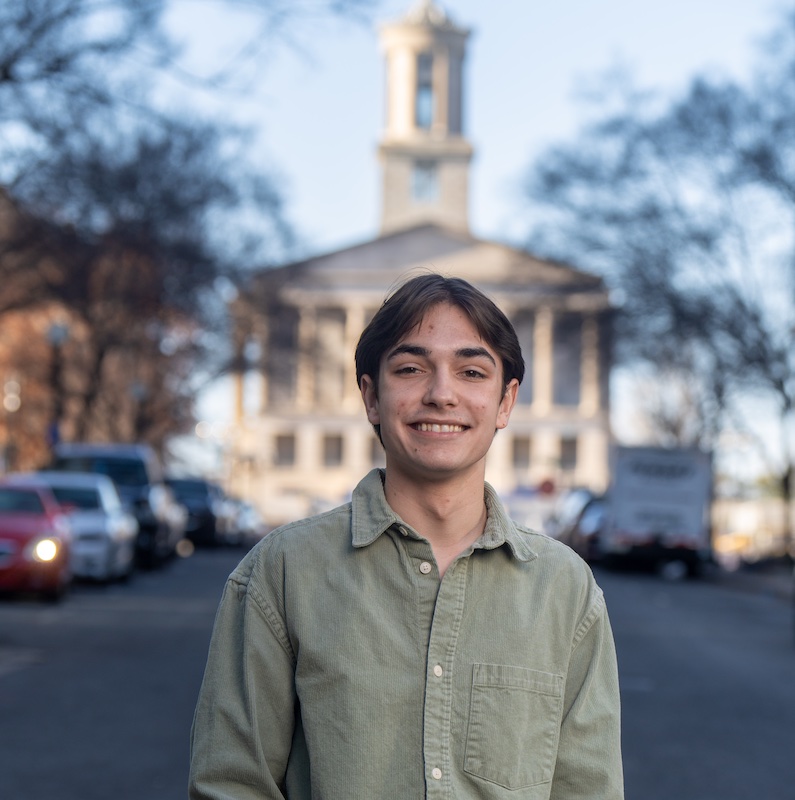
372	515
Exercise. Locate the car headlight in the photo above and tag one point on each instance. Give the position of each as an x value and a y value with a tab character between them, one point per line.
44	550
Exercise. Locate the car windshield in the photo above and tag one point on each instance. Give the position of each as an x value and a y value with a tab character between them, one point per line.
187	489
593	517
123	471
20	500
84	499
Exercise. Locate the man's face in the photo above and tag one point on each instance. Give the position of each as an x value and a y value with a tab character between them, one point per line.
440	399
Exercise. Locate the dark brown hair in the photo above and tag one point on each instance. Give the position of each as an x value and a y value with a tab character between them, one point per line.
406	307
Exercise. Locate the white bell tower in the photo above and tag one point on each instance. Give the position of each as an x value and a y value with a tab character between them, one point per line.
423	153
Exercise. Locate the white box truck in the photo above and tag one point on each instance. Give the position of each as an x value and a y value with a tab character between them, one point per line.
659	508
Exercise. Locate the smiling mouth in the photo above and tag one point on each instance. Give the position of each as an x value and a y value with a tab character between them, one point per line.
428	427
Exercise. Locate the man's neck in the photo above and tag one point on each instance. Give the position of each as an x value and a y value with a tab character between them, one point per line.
450	515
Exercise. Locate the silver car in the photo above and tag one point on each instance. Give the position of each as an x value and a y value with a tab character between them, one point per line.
103	531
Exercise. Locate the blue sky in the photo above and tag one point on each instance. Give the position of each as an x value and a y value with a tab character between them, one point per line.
317	104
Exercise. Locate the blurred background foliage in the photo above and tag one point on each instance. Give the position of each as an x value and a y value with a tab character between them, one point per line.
686	205
124	223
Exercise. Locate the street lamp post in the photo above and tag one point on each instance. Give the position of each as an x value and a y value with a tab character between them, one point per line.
57	334
139	392
12	401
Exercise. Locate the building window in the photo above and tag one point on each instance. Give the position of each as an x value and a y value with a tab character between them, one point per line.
567	359
332	451
524	325
423	110
568	453
284	451
424	182
522	450
279	358
605	350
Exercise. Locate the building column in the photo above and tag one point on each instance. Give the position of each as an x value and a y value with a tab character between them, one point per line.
589	376
441	91
592	456
499	466
305	378
354	325
545	458
261	332
542	361
239	378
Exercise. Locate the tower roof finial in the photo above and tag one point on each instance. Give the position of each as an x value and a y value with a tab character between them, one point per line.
427	12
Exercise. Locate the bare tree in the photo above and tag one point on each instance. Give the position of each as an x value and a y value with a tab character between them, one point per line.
687	207
123	216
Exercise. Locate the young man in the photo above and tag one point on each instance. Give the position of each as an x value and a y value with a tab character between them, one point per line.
415	643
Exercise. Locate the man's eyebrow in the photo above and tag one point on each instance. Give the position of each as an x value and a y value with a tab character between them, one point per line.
475	352
409	349
423	352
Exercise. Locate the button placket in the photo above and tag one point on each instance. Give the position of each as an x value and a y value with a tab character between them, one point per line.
438	695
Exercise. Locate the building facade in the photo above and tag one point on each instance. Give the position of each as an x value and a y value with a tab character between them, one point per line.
300	440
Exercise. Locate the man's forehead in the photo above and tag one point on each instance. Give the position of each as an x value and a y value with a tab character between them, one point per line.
439	317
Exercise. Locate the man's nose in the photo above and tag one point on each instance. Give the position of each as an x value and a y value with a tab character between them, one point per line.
440	390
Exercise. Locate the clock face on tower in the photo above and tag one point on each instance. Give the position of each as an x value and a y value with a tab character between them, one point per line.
424	182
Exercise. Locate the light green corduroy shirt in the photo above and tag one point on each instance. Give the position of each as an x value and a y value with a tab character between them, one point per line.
342	668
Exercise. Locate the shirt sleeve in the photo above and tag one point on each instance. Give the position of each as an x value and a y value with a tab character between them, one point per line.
589	764
245	716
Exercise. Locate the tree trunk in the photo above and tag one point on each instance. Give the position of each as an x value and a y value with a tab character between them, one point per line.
788	497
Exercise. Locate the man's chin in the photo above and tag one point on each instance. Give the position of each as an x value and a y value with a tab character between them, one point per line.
436	471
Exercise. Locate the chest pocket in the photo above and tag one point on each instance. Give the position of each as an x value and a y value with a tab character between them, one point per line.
514	723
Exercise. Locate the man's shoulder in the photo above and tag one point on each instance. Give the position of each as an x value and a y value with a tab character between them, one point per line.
335	520
311	533
305	541
557	571
554	555
538	539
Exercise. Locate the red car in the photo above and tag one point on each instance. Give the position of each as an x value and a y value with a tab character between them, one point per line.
34	541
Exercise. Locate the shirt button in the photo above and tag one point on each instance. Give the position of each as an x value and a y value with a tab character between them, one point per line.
403	530
438	671
436	774
425	567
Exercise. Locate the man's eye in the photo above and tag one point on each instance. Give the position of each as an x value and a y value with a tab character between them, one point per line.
406	370
473	373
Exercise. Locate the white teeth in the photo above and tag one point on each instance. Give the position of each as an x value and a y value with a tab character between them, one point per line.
424	426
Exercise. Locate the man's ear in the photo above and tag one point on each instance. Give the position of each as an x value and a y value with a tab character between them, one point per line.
507	403
370	399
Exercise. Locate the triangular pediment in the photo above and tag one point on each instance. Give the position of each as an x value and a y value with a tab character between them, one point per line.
377	265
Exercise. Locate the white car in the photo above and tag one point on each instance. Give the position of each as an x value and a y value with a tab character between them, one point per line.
103	531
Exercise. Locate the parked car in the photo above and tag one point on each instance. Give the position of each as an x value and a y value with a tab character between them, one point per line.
103	530
212	518
567	507
250	524
583	535
579	522
35	540
138	475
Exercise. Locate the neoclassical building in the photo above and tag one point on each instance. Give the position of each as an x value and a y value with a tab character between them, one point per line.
300	440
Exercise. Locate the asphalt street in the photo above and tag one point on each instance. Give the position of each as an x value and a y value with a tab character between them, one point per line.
97	694
707	671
